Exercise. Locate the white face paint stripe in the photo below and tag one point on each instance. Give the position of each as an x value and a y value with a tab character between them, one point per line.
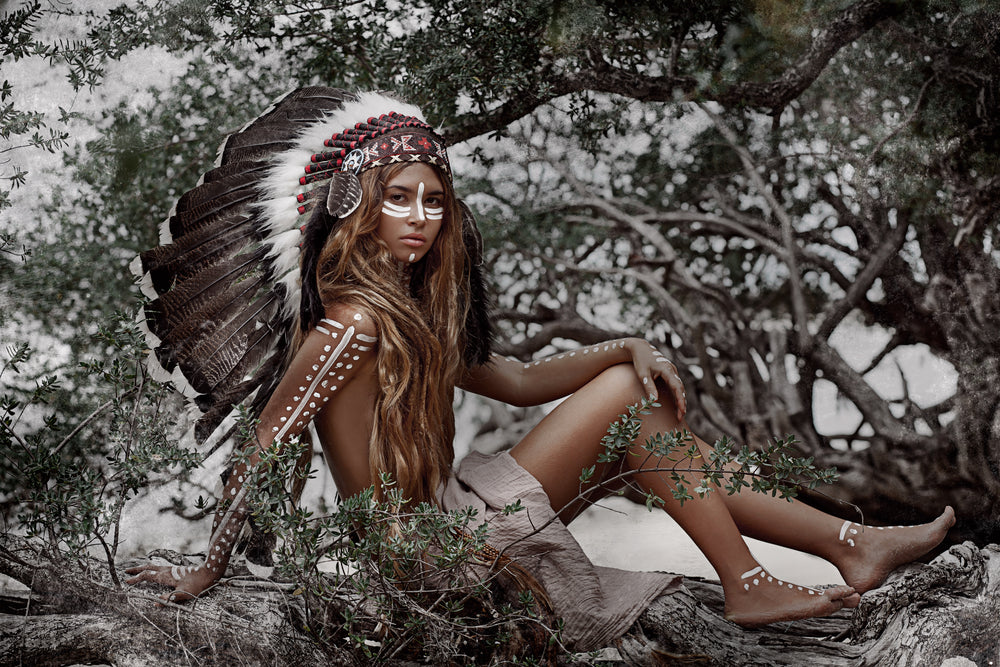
395	207
395	211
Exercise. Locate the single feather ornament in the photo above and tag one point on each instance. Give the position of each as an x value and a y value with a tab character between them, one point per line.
235	270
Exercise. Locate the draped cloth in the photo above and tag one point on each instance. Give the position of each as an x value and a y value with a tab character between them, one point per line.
597	604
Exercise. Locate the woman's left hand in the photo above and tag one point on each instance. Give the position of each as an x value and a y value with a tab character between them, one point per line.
650	365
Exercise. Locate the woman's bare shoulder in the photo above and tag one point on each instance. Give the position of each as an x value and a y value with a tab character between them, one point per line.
352	314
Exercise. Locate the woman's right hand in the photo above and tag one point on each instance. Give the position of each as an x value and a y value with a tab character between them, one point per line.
651	365
187	581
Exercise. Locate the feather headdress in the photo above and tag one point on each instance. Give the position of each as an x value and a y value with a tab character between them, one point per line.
225	287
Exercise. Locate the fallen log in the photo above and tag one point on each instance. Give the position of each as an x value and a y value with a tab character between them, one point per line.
923	615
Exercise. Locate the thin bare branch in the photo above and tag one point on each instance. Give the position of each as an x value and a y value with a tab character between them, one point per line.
799	311
837	310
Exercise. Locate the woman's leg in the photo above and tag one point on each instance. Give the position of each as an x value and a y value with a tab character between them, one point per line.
568	440
865	555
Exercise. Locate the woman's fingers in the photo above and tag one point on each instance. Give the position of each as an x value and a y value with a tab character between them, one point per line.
179	595
668	373
673	380
648	382
650	365
145	573
168	575
188	581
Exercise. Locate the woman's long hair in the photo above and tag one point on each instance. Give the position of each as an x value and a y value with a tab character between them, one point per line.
419	312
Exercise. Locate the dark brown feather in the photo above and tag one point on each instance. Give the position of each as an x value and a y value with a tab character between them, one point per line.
220	316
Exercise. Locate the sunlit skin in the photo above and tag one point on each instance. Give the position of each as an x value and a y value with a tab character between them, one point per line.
412	211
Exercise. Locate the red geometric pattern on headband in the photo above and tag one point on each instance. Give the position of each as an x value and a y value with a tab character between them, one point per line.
386	139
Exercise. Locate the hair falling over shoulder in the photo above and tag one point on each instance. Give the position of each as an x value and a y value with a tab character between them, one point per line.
419	312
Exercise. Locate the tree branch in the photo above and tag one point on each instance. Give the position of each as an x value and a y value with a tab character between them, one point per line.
774	95
787	226
868	402
837	310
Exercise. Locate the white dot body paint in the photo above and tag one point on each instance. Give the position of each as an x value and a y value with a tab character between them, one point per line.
412	258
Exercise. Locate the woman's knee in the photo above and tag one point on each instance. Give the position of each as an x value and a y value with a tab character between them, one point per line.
620	384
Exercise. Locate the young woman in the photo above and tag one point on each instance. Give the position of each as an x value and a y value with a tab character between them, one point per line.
367	317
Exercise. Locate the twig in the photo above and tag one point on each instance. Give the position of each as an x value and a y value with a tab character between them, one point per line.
91	417
110	558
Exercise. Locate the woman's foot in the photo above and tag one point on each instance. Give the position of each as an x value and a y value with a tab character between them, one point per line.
867	554
761	598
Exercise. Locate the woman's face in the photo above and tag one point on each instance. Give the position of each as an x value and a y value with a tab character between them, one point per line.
412	212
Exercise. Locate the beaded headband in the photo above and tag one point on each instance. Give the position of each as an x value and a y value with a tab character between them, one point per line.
391	138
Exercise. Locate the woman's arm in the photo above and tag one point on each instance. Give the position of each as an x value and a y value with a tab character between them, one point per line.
331	356
543	380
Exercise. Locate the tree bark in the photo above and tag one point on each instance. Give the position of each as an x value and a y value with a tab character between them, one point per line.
923	615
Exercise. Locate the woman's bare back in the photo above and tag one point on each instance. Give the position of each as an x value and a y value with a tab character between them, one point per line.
344	429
